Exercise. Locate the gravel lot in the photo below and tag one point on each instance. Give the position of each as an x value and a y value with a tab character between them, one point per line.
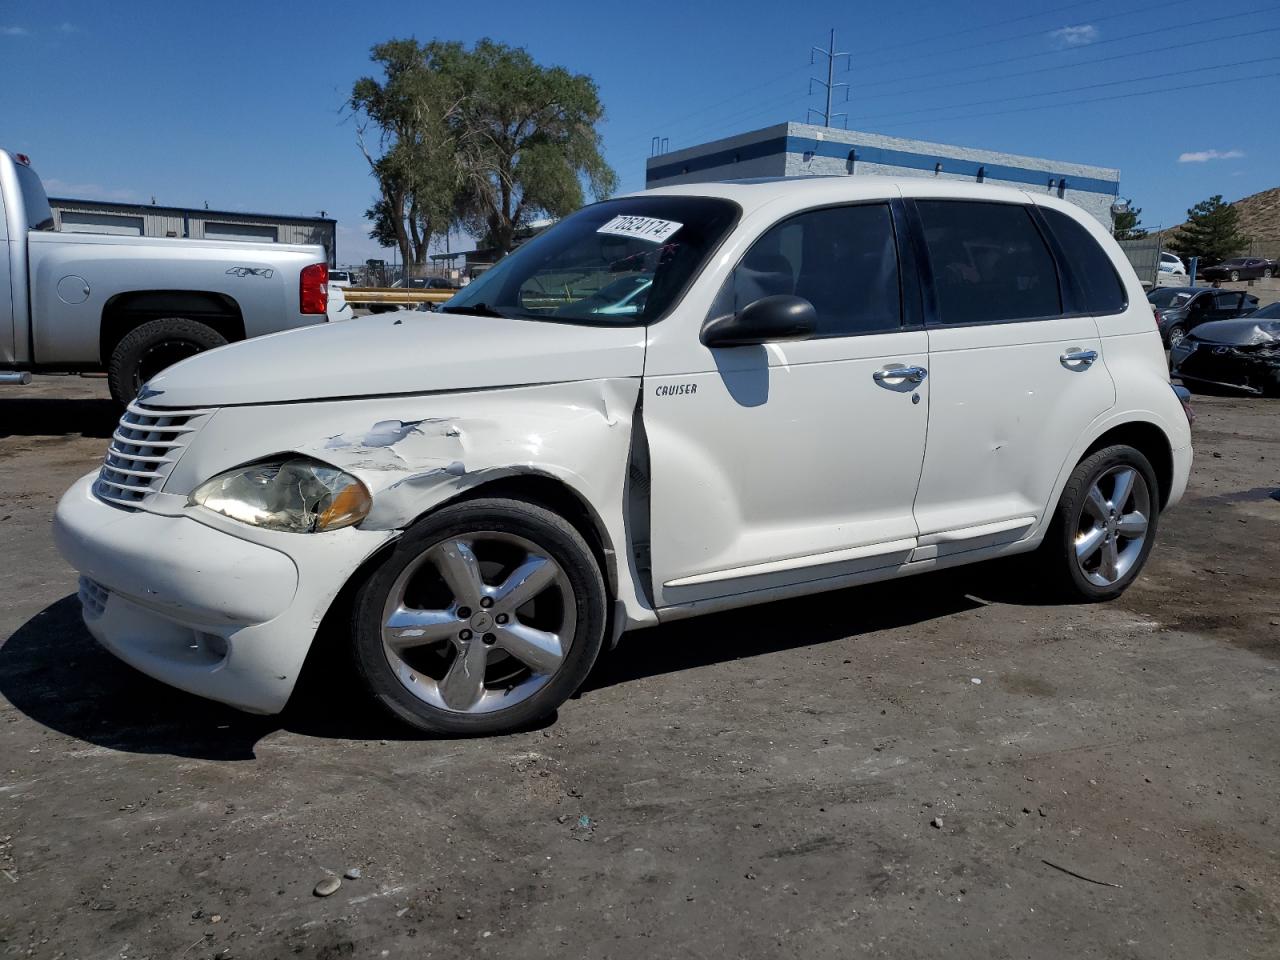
942	767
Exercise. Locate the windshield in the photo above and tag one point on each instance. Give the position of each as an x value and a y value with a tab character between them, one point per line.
1168	298
34	201
620	262
1270	312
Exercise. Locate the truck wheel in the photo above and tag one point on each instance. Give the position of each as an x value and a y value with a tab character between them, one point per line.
148	349
1104	527
485	618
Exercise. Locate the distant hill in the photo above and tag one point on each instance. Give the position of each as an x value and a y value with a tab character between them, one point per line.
1260	215
1259	220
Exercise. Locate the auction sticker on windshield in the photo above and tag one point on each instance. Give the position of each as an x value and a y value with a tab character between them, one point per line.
641	228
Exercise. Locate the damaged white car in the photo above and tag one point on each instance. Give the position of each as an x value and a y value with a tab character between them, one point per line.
811	384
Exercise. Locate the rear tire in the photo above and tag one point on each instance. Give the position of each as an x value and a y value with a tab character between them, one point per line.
436	636
1104	527
153	346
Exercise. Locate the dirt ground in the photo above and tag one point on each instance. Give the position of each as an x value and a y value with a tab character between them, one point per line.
944	767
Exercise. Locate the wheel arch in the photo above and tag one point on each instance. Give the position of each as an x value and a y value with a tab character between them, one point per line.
554	494
1147	438
127	311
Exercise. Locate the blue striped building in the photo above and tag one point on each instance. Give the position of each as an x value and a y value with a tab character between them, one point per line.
798	149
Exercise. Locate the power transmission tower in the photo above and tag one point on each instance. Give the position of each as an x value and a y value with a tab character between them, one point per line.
830	84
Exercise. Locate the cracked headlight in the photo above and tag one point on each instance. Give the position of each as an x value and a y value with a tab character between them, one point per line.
295	494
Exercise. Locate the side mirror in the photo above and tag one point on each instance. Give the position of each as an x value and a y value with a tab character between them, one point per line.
762	321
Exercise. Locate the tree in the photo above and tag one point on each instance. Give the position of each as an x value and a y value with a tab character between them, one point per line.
528	140
1211	231
414	110
1128	225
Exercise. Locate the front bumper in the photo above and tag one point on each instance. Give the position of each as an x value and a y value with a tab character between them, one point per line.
200	607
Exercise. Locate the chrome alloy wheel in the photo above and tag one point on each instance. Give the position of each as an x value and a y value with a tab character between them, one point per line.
478	623
1112	526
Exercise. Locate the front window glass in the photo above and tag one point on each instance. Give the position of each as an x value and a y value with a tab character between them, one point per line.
989	262
843	260
621	262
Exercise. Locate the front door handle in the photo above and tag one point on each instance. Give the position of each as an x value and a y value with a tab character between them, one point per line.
895	373
1078	359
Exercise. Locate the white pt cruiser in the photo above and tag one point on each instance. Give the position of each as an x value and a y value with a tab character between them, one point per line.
671	403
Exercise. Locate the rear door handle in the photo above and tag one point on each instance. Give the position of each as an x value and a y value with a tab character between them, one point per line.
894	373
1078	359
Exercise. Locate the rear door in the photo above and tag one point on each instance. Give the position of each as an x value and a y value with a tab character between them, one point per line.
1013	372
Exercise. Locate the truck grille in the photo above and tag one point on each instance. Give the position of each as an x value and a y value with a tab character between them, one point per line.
144	448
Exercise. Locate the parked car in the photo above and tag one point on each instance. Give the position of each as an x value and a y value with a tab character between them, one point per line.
1240	268
1172	264
1243	354
833	381
340	278
130	306
1178	310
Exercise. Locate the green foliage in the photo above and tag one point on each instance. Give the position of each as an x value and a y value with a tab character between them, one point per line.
1211	232
486	138
1128	225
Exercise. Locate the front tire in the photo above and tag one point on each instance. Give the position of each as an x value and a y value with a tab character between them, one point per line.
1105	525
485	618
1235	275
153	346
1177	333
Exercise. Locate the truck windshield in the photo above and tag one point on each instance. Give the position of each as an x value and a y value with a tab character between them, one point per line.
34	201
617	263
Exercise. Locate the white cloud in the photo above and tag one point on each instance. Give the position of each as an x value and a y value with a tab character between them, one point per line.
1202	156
13	31
85	191
1075	36
66	27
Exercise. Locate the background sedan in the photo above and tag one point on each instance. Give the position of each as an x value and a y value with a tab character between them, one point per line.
1240	268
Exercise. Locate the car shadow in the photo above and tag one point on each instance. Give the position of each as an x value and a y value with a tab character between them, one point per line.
57	416
55	673
813	620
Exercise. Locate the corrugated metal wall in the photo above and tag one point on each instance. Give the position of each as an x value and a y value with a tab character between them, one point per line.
180	222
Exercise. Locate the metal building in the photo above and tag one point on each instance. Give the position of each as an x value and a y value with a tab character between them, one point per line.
800	149
149	220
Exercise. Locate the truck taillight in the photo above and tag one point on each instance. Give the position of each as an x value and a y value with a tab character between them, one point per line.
313	289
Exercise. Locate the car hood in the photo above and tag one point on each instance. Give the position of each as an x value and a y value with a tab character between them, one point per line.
398	353
1242	332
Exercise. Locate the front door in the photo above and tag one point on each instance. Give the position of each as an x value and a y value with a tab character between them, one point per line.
791	462
1015	379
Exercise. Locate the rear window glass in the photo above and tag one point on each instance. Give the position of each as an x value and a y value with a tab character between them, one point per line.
34	201
1091	269
989	262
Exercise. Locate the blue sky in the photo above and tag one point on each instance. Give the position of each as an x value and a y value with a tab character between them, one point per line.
239	104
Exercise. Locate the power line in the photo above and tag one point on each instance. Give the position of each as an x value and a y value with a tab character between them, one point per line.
1128	54
1073	103
1087	86
1038	33
758	109
1096	43
684	118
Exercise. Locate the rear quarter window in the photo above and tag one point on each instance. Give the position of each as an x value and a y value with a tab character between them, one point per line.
1098	286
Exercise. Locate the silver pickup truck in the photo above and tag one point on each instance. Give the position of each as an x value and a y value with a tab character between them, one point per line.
131	306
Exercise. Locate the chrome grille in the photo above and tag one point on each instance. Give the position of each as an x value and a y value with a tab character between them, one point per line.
93	597
144	448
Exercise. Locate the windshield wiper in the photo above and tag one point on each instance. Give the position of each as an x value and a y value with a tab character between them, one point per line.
479	309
